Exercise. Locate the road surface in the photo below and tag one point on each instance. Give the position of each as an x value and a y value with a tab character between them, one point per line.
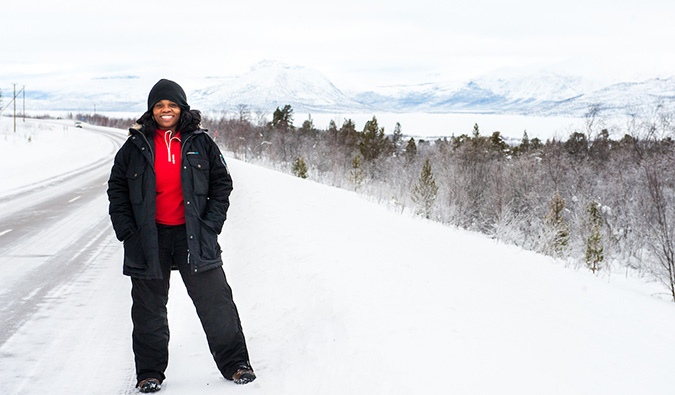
61	288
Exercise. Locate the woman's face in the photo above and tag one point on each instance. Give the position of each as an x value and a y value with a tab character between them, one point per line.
166	114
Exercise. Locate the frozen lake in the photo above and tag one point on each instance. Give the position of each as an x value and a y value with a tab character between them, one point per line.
421	125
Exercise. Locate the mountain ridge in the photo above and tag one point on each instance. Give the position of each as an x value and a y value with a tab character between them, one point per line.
270	84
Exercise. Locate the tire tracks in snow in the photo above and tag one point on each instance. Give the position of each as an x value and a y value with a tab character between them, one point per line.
19	302
47	246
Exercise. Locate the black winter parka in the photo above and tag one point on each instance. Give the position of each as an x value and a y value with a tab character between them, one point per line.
206	184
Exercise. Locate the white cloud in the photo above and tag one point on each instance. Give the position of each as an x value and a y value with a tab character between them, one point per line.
354	42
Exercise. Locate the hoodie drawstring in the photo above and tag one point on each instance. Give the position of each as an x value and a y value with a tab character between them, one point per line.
167	140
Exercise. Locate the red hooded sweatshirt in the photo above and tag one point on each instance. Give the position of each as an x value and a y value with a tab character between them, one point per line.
170	206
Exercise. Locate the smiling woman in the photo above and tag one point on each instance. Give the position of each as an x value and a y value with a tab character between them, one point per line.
169	194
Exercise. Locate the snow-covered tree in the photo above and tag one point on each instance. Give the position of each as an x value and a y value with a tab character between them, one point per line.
661	217
356	174
396	138
410	150
594	245
424	191
299	168
557	230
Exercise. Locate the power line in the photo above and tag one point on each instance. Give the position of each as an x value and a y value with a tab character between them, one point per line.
10	102
23	90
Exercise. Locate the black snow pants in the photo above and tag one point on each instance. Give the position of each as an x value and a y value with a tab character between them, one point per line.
212	298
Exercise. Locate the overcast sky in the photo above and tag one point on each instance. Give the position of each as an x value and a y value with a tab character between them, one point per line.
358	44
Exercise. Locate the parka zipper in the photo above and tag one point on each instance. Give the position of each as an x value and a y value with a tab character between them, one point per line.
152	153
183	144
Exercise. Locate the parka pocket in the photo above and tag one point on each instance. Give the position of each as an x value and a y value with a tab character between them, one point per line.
200	175
133	251
209	243
135	182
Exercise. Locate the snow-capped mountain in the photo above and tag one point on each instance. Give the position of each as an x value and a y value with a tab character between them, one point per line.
504	90
542	92
269	84
624	97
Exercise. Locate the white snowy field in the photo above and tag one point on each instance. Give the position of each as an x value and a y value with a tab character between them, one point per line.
338	295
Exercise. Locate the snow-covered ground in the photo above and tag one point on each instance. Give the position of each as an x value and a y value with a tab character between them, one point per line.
338	295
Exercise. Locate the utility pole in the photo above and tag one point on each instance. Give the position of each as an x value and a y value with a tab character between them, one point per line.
13	101
14	108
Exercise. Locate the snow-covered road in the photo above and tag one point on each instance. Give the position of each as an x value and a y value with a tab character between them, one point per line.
337	296
49	227
55	235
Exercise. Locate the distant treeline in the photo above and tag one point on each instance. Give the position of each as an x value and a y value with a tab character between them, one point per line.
102	120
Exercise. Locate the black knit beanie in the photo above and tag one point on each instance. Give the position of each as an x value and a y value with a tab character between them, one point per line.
168	90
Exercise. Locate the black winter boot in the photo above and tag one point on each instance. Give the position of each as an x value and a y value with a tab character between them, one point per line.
243	376
149	385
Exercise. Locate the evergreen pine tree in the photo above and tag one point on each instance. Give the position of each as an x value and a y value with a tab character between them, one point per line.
372	141
308	125
424	192
497	142
525	143
299	168
356	174
535	144
397	138
557	230
476	131
594	248
477	141
410	150
283	118
347	135
332	132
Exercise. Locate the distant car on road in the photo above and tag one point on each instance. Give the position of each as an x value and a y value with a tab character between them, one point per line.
78	124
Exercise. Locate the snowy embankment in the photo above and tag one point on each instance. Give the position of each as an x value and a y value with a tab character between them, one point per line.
340	296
